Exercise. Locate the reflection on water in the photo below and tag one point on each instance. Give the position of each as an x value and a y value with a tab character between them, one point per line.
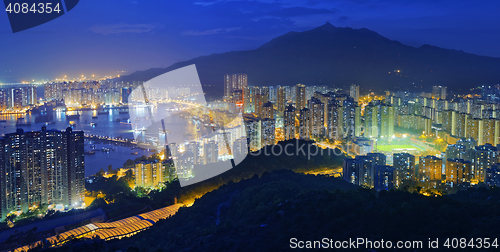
112	125
116	156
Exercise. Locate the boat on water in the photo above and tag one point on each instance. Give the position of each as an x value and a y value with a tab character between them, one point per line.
72	117
93	124
2	121
135	153
89	152
95	117
125	121
48	123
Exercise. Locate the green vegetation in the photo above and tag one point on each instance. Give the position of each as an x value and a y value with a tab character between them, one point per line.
263	213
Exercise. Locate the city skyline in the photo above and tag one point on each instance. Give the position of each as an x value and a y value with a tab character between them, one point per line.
255	125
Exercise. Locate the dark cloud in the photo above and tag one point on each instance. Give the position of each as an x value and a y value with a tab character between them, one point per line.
210	32
342	19
124	28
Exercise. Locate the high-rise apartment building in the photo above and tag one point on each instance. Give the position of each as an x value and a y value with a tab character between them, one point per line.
305	124
268	110
234	81
268	131
371	121
384	178
386	120
354	92
458	171
484	156
404	163
41	167
281	99
300	97
334	121
349	119
258	104
289	122
317	110
439	92
430	170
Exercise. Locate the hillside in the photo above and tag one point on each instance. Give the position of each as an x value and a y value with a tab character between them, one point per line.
262	214
329	55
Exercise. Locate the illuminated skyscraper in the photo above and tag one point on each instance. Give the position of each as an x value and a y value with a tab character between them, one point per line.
349	172
210	152
41	167
305	123
258	104
317	110
384	178
439	92
386	120
268	110
237	97
289	122
247	100
143	173
348	119
3	100
462	149
458	171
357	121
125	94
253	127
365	167
404	163
16	99
493	175
378	158
484	156
430	169
265	92
354	92
300	97
268	131
281	99
461	125
334	121
371	121
234	81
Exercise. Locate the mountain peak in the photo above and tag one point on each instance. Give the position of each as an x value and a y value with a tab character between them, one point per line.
329	55
326	27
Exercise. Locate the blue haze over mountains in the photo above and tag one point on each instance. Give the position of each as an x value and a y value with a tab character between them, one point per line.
330	55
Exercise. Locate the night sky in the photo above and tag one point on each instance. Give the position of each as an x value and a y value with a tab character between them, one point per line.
105	37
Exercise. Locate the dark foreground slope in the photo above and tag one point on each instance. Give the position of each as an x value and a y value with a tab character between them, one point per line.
262	214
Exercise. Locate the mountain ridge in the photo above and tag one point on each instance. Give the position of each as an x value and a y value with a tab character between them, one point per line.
329	55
